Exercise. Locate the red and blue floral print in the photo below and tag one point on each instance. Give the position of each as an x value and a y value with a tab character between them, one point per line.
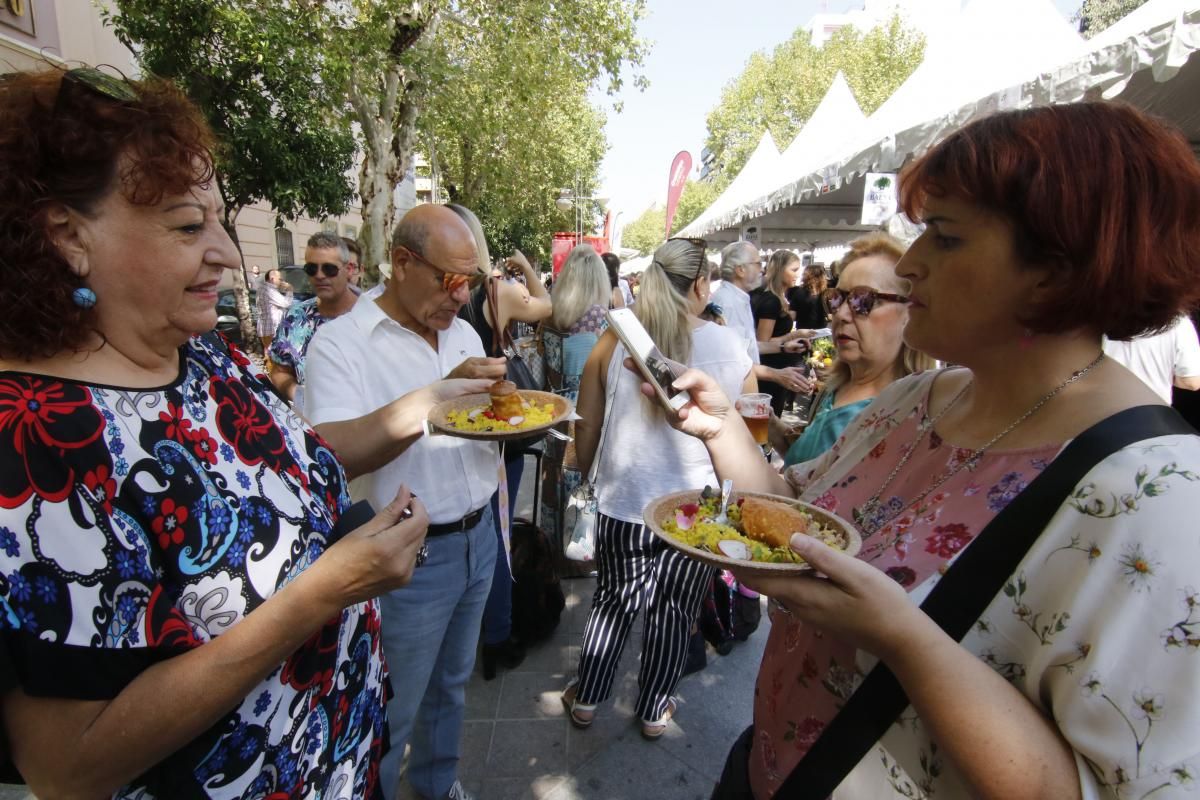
136	524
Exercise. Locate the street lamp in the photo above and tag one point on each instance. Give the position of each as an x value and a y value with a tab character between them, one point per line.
569	199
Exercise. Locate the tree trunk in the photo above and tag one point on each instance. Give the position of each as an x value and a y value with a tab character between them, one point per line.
241	293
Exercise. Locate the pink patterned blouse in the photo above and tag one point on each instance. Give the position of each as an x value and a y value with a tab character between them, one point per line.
807	675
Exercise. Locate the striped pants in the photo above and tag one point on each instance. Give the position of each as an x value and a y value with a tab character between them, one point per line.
634	568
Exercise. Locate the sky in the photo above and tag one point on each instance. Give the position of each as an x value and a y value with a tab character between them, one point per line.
697	47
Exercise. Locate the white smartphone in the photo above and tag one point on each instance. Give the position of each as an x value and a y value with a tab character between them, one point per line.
653	365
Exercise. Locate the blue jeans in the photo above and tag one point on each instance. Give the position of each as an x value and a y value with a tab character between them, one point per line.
430	632
497	614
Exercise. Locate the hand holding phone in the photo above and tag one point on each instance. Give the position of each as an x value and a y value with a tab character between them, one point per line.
656	369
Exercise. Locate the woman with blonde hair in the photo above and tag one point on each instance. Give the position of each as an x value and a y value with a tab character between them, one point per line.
581	297
582	292
639	459
868	318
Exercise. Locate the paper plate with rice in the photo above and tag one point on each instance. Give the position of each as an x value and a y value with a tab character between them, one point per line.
754	541
470	417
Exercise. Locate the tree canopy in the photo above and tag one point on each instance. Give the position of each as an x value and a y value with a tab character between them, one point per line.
645	233
1096	15
262	90
510	123
778	91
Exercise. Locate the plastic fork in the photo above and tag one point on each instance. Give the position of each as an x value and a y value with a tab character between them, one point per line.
726	490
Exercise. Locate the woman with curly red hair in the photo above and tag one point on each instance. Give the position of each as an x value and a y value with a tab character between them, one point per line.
183	610
1037	501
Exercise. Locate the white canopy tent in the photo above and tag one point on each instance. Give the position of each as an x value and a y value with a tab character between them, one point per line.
759	174
1131	61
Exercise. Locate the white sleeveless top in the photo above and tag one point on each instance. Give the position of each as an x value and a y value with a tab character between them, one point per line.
641	456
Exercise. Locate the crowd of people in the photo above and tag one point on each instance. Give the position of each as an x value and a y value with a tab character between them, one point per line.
220	582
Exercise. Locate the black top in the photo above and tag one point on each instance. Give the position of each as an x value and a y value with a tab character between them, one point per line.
810	313
472	312
765	305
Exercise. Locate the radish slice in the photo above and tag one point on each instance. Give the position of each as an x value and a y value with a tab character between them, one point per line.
515	421
734	549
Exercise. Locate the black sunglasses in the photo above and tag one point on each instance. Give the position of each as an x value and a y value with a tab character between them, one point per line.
862	299
327	269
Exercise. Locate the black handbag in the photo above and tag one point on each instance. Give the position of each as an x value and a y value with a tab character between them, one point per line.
966	590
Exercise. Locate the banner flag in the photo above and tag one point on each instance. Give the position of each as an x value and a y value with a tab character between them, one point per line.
680	168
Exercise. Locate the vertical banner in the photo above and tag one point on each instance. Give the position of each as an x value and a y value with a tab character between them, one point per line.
879	198
680	167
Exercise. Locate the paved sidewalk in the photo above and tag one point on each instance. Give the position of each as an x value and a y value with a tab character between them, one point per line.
518	742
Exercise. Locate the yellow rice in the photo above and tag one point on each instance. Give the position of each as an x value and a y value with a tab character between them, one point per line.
534	415
705	534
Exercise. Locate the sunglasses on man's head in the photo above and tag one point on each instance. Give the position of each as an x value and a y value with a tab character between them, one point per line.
327	269
451	281
862	299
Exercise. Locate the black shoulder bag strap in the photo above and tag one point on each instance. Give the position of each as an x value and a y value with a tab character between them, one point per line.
966	590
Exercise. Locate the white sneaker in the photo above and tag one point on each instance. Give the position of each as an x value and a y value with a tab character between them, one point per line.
457	792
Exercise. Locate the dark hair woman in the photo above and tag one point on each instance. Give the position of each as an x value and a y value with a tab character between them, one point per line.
184	613
804	299
1045	229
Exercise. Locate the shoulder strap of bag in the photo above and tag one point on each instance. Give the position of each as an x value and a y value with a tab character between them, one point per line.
967	588
609	395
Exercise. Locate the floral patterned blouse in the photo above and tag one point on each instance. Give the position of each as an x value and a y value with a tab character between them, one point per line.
137	524
1115	573
296	330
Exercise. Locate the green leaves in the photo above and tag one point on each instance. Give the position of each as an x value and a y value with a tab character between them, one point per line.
1096	15
779	91
261	91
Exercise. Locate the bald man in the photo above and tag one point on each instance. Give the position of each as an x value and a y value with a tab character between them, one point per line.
408	338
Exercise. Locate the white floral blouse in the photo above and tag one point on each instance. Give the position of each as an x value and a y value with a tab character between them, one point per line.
1099	626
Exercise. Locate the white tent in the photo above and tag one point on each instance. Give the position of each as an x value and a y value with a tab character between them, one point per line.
758	176
1132	61
635	265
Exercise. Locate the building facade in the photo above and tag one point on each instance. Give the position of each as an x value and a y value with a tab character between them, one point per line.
41	34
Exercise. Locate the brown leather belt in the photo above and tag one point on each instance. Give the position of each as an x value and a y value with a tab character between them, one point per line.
458	526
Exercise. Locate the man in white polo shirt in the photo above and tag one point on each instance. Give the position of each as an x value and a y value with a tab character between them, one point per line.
1162	360
407	338
742	273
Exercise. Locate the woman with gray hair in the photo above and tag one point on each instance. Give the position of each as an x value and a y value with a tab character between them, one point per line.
639	459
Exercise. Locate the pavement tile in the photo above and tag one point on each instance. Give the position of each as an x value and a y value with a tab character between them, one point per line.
528	748
532	695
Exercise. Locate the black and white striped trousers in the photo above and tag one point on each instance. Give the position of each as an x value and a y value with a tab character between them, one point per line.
635	568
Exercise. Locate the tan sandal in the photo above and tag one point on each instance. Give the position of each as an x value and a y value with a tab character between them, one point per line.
580	714
654	730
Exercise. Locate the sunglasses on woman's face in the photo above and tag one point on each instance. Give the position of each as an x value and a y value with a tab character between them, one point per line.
862	299
327	269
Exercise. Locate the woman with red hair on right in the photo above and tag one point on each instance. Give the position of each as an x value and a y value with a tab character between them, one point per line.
1057	656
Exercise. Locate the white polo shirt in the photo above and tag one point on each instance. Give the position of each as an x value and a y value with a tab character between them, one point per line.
736	307
362	361
1161	358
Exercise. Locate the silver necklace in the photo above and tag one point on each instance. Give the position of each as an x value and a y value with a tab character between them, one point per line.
872	515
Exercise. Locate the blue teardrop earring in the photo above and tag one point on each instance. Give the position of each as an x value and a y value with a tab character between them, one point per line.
83	297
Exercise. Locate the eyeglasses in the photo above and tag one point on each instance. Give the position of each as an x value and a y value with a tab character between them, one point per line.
327	269
451	281
862	299
702	248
